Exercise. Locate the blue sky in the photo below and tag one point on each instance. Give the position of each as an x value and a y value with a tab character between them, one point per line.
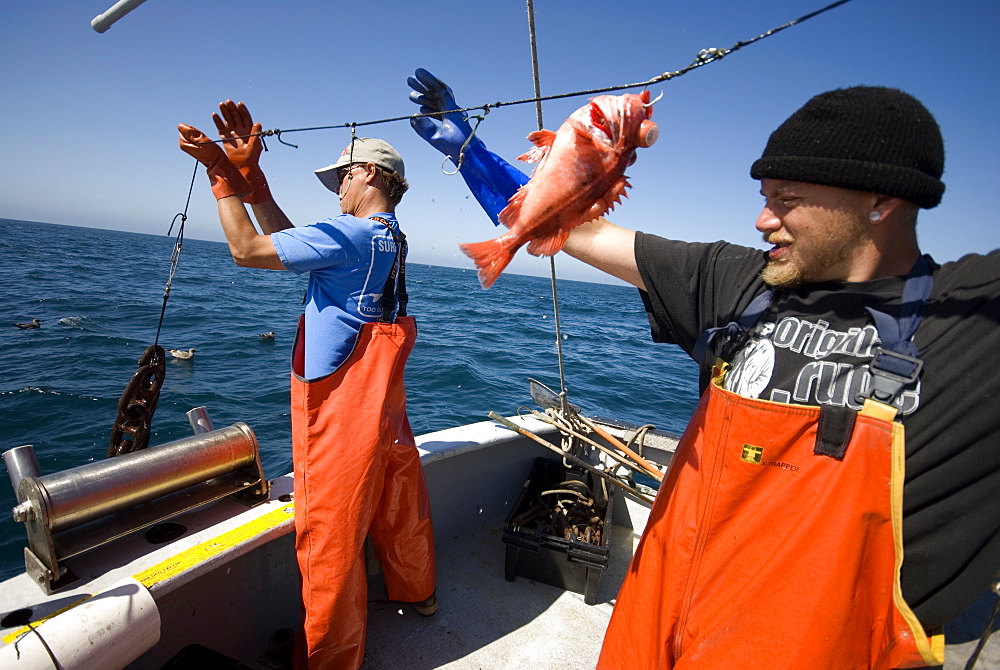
89	120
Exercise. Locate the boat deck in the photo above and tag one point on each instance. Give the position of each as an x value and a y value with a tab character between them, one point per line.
231	582
486	622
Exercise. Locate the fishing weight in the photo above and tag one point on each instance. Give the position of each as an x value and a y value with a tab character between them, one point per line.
131	428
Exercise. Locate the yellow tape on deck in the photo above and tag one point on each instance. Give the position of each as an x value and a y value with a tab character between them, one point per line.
189	558
185	560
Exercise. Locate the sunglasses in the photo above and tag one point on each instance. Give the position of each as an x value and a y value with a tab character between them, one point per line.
342	172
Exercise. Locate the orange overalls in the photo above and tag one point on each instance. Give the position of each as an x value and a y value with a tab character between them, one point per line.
357	472
772	546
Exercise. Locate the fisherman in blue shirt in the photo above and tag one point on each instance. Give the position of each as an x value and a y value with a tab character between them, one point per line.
356	468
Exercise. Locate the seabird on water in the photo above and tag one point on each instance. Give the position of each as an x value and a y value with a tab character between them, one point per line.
35	323
182	354
267	336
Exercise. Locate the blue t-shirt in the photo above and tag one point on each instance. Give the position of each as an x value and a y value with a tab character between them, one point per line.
348	260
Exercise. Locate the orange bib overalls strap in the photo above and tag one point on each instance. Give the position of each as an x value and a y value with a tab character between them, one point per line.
775	542
356	473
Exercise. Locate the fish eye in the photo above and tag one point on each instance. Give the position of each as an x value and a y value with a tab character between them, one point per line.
648	133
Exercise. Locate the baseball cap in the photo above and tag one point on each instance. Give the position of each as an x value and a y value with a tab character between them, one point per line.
365	150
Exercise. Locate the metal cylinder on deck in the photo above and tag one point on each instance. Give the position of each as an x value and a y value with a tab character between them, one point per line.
21	462
72	497
200	421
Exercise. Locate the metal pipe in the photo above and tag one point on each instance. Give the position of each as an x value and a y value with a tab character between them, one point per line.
618	458
615	442
570	457
200	421
104	21
21	462
72	497
108	630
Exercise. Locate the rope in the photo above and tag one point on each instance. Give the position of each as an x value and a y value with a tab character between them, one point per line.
704	57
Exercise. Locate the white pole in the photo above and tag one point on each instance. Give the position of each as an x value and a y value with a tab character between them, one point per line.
121	8
107	631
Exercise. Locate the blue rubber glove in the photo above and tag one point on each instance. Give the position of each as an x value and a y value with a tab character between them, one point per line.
490	178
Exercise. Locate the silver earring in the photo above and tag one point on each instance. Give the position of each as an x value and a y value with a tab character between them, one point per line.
875	216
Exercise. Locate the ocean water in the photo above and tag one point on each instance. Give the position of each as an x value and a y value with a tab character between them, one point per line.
99	295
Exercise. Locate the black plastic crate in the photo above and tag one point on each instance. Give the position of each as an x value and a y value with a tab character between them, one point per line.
572	564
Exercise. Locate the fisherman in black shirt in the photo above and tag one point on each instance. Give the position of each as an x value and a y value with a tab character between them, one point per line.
842	317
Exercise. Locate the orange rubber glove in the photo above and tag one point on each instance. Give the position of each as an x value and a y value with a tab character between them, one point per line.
243	146
224	177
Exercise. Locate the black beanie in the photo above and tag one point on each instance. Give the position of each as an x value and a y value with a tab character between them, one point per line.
866	138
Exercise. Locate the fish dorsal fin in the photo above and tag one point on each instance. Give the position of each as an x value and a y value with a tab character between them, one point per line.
549	245
542	139
611	197
508	215
597	210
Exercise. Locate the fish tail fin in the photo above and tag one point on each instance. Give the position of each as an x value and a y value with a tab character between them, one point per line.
549	245
491	257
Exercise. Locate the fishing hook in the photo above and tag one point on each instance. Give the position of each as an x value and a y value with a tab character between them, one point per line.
277	134
653	102
461	152
350	162
174	220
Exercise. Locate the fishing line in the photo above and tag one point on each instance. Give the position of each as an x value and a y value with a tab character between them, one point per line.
461	152
133	423
350	164
552	259
175	256
704	57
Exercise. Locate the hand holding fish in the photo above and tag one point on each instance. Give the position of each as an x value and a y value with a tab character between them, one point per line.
579	177
243	145
224	177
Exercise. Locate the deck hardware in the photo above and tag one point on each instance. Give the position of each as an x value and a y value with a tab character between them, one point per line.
138	403
21	462
74	511
200	421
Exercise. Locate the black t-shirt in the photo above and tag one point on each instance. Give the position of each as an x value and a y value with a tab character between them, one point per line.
813	347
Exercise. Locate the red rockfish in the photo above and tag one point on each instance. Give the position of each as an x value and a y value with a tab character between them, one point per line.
579	177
